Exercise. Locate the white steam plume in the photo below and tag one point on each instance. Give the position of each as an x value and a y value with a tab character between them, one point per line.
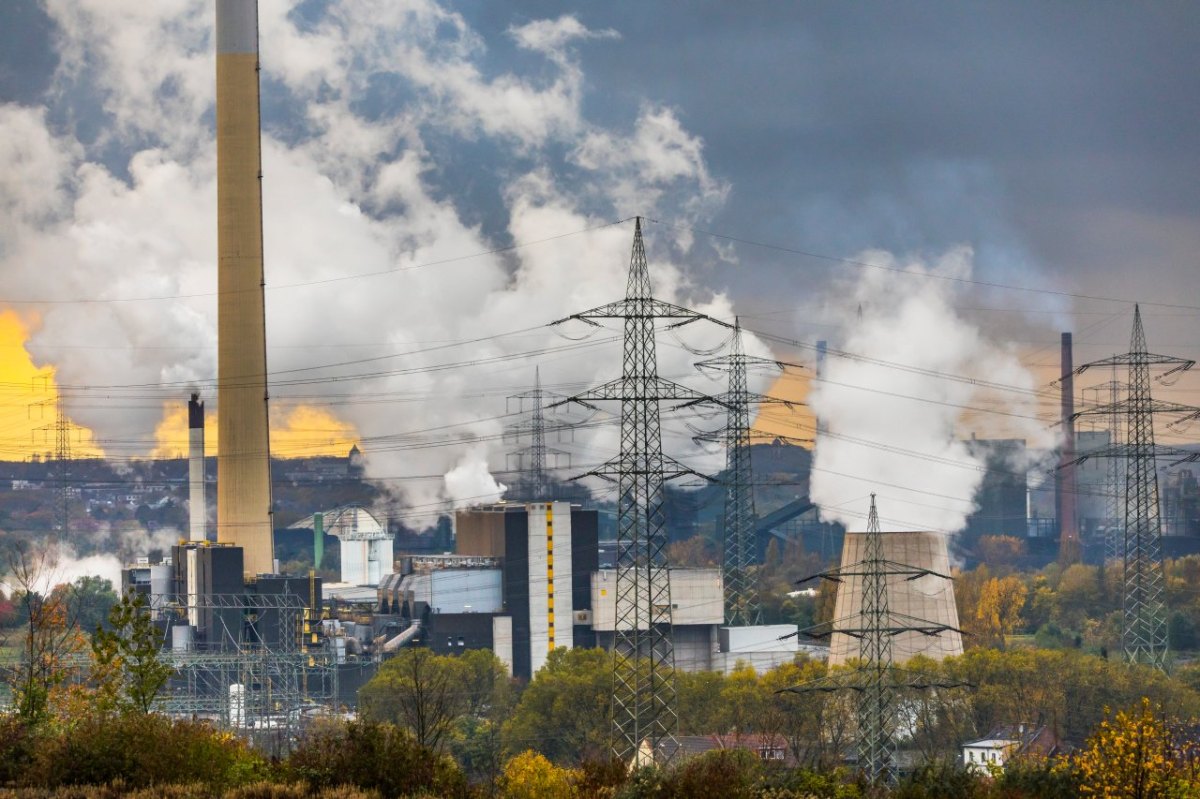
362	99
898	432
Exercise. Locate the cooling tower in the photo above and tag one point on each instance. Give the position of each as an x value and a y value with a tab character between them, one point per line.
243	460
928	598
197	501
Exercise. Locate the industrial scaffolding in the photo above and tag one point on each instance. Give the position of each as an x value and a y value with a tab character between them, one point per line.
263	672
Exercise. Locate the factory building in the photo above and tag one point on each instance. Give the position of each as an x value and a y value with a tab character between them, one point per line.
364	543
930	598
525	579
518	583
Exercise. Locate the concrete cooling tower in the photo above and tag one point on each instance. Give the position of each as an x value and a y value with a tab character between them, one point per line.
928	598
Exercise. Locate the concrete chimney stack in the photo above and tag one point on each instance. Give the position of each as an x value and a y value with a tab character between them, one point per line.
243	453
1068	518
197	501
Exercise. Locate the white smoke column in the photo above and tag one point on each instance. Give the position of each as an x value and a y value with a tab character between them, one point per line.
352	186
471	483
898	432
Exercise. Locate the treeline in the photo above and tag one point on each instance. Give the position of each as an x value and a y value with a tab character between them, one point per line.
1074	606
456	726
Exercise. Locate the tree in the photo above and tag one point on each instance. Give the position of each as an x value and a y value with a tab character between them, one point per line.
421	692
49	635
1132	756
1002	552
374	756
477	743
89	600
564	711
127	658
531	776
697	552
1001	601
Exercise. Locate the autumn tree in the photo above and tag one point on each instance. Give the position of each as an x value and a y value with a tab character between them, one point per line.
1002	552
419	691
531	776
49	635
1001	601
1132	756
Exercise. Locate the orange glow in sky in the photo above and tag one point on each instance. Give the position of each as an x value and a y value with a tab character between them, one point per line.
28	398
794	423
300	432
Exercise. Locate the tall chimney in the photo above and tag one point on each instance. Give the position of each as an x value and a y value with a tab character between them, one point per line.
1068	522
197	501
822	351
243	453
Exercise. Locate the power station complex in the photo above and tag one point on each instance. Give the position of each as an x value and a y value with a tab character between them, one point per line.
259	651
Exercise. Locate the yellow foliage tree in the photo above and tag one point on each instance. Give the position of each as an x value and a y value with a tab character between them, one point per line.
1132	756
531	776
1001	600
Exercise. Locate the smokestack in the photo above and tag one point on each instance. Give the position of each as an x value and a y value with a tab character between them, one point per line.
243	453
1068	523
318	540
822	350
197	501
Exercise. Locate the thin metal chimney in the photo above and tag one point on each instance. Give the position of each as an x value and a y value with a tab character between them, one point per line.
197	499
1065	485
822	352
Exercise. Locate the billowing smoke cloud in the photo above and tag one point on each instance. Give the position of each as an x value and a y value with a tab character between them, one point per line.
373	110
911	378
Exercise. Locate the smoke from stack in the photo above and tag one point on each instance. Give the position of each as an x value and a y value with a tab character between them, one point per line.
877	420
356	206
197	501
243	451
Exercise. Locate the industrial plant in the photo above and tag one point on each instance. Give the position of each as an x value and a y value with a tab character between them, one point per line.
271	619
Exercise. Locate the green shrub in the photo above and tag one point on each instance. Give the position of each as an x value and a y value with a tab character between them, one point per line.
140	751
372	755
800	783
16	748
1036	778
721	774
940	781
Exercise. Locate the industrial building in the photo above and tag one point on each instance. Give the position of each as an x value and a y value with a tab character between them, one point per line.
364	543
525	579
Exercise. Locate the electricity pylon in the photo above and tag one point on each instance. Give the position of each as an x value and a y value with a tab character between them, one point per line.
60	472
532	460
643	710
875	679
1144	634
742	606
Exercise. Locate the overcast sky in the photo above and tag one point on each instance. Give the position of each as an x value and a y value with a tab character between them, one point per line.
1057	143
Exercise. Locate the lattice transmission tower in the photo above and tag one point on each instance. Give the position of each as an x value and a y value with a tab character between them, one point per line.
60	472
643	710
1144	633
740	545
875	679
533	460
